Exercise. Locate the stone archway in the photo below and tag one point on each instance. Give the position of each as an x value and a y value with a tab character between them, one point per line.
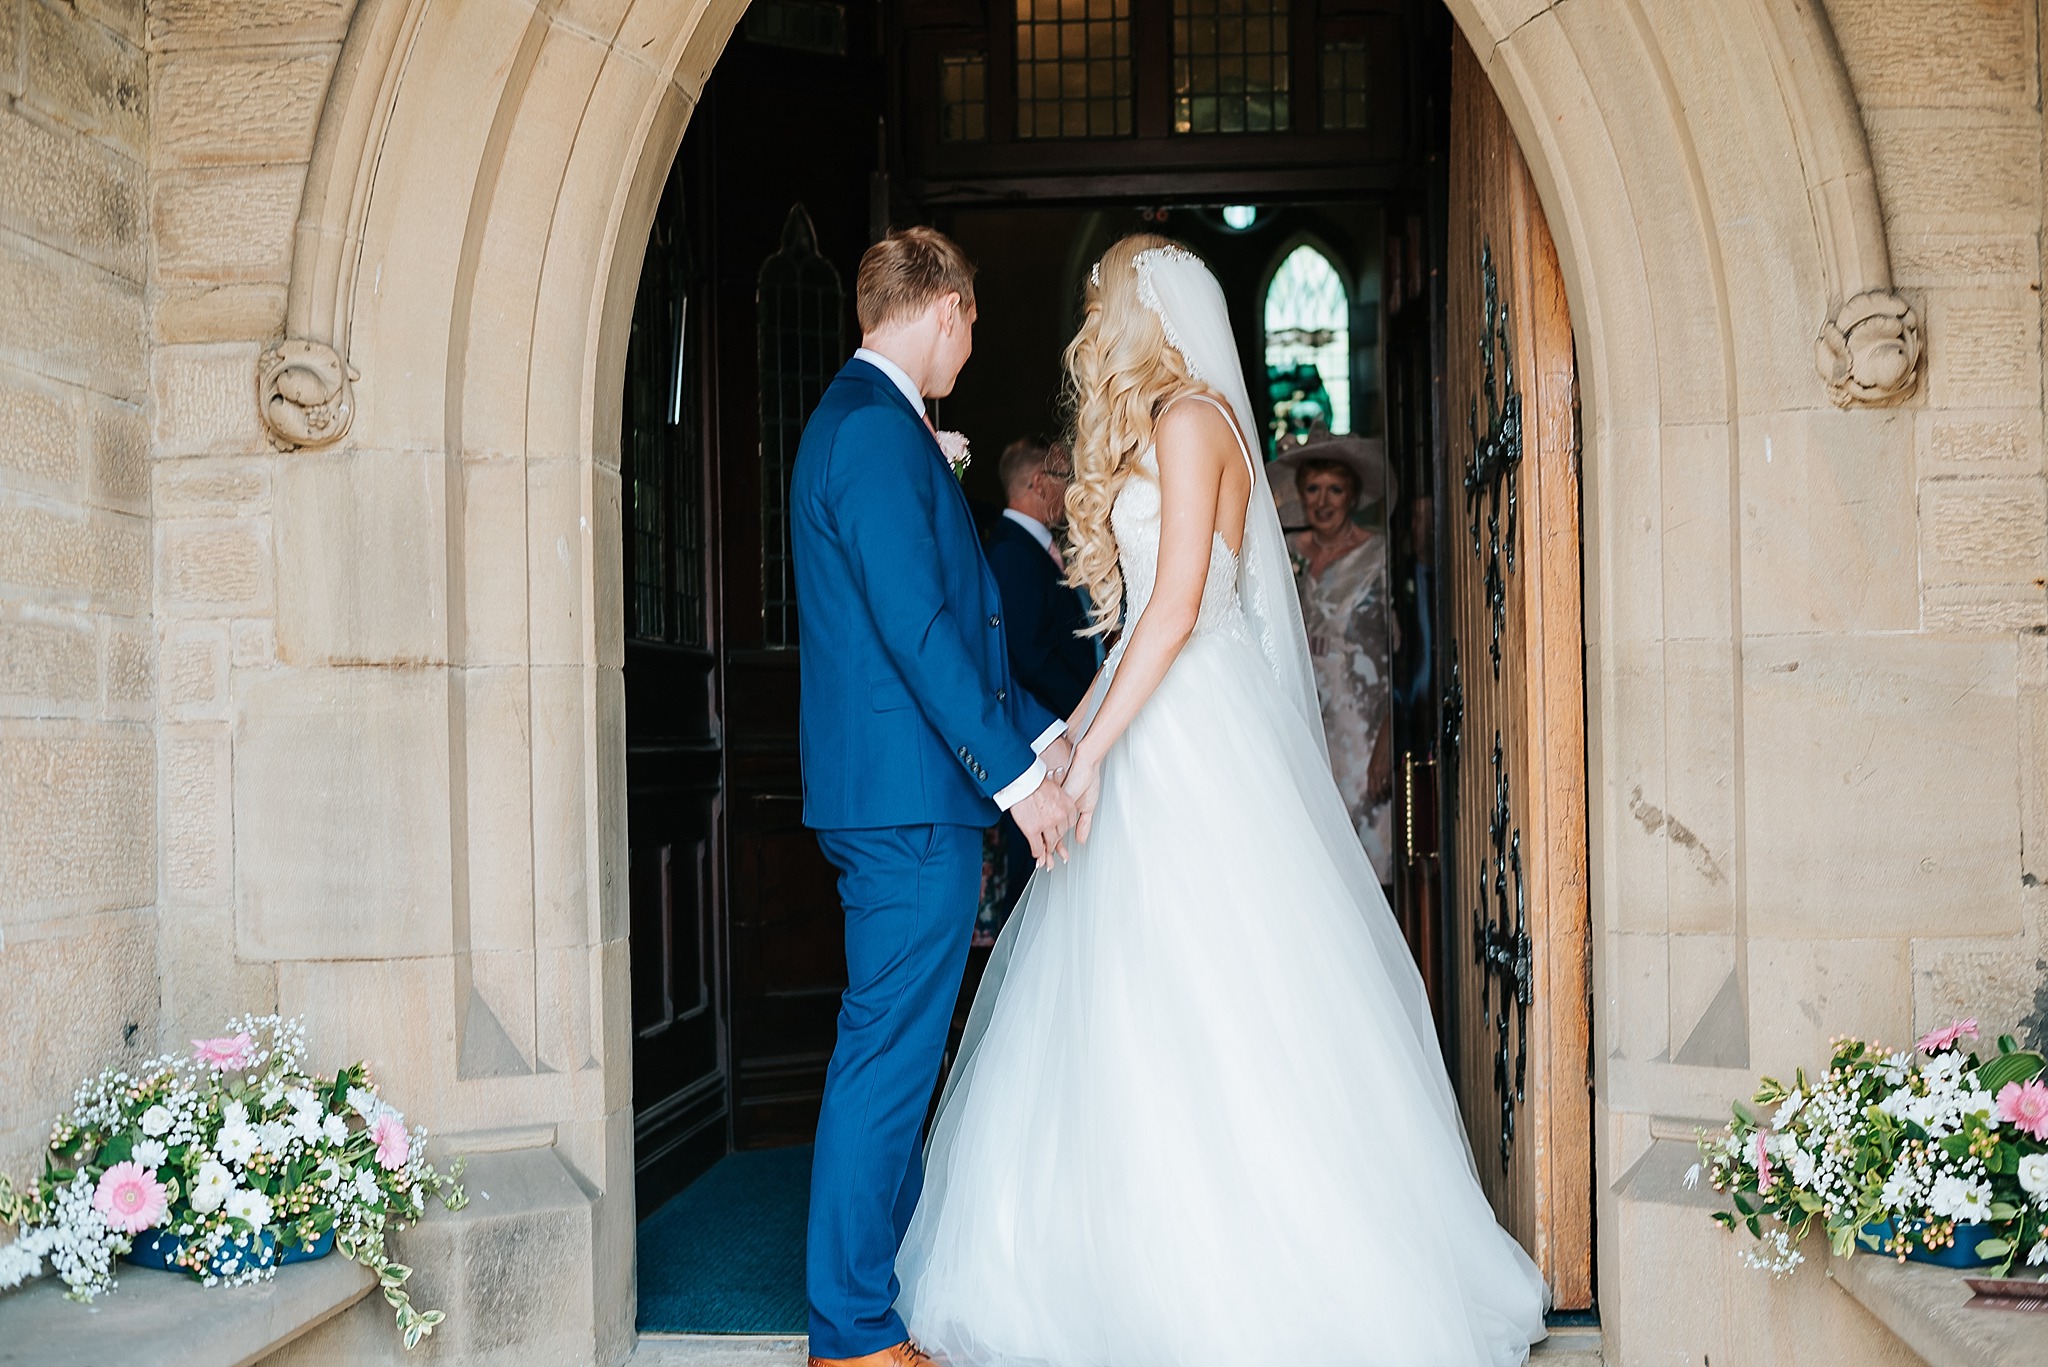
469	242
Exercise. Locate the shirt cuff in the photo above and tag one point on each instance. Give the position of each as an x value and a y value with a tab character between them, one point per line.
1045	738
1025	785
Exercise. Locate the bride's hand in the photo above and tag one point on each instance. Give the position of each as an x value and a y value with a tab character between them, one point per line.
1084	786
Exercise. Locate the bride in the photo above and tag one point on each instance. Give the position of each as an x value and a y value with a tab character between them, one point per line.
1200	1116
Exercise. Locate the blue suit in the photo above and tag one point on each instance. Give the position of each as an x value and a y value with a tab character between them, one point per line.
909	724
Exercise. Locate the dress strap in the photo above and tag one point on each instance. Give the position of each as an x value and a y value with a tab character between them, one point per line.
1250	467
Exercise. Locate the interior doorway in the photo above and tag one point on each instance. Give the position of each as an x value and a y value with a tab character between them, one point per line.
1310	151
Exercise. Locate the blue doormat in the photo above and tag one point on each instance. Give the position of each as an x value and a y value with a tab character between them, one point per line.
725	1255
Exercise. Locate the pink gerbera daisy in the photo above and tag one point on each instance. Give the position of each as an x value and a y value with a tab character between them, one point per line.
1934	1041
387	1132
131	1198
2024	1105
228	1053
1764	1175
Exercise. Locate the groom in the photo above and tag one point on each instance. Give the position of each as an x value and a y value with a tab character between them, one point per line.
914	736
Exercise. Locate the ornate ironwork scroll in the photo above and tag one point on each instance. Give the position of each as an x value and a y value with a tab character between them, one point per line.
1454	709
1490	493
1504	951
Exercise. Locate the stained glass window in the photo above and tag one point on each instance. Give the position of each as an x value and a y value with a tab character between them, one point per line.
801	346
1344	87
1230	66
963	97
1308	343
1073	68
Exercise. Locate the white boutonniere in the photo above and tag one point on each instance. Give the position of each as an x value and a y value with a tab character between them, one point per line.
953	446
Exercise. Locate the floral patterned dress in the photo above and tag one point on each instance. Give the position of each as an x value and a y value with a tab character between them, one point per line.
1350	641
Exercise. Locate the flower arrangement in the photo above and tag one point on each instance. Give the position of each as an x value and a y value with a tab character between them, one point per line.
237	1158
1904	1153
953	446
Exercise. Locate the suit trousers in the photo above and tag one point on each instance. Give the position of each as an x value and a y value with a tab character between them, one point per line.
910	894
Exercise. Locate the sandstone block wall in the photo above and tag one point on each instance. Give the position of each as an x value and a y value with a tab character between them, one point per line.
78	750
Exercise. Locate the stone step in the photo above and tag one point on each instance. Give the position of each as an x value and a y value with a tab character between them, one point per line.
1574	1347
165	1319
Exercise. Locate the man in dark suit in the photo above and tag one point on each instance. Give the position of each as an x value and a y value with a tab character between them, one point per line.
914	737
1042	616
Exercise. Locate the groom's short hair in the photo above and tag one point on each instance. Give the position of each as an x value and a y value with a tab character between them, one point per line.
905	271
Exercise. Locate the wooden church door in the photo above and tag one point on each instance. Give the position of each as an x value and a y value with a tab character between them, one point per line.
1518	949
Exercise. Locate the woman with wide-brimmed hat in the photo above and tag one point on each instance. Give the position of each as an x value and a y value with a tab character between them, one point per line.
1341	572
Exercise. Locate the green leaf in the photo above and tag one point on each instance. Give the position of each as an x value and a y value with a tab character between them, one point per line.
119	1149
2008	1045
1743	1202
2018	1066
1756	1230
393	1296
1724	1219
1994	1248
2002	1211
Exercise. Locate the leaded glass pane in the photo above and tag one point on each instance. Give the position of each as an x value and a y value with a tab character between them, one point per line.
963	97
1345	87
1308	344
801	346
659	448
1073	68
1230	66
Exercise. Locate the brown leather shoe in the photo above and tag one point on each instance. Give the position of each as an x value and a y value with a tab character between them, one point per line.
904	1354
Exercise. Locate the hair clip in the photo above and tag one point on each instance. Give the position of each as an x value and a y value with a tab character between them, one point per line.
1095	275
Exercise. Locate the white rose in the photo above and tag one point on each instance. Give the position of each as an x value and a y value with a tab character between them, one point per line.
151	1153
2034	1173
210	1187
250	1207
156	1122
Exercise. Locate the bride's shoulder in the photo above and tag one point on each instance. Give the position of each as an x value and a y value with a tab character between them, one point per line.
1194	423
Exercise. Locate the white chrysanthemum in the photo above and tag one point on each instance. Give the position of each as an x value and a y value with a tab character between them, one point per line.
251	1207
151	1153
274	1135
236	1143
366	1187
1789	1109
2038	1254
235	1114
335	1129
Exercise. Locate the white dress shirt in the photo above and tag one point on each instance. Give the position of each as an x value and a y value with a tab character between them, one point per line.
1027	782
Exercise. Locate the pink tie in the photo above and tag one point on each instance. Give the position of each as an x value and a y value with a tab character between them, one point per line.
1052	548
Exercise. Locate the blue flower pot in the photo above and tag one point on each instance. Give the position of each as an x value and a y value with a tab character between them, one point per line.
159	1247
1961	1253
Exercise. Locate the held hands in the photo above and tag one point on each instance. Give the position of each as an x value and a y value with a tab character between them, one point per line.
1083	786
1045	817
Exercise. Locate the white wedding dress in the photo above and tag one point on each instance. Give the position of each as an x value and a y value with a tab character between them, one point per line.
1201	1118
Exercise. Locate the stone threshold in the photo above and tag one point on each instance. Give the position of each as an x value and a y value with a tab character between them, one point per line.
1924	1306
1574	1347
163	1319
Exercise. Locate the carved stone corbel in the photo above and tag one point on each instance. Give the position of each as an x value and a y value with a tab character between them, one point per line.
303	390
1869	351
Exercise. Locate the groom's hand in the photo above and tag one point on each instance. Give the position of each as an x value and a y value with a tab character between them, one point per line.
1045	816
1058	756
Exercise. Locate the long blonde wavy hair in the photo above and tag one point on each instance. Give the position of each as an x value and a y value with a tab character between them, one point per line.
1121	376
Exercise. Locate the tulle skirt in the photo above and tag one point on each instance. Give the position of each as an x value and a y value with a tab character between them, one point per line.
1201	1116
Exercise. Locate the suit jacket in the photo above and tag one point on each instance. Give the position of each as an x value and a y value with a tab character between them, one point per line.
909	715
1041	615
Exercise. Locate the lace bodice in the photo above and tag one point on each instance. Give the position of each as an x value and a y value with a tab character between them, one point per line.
1134	517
